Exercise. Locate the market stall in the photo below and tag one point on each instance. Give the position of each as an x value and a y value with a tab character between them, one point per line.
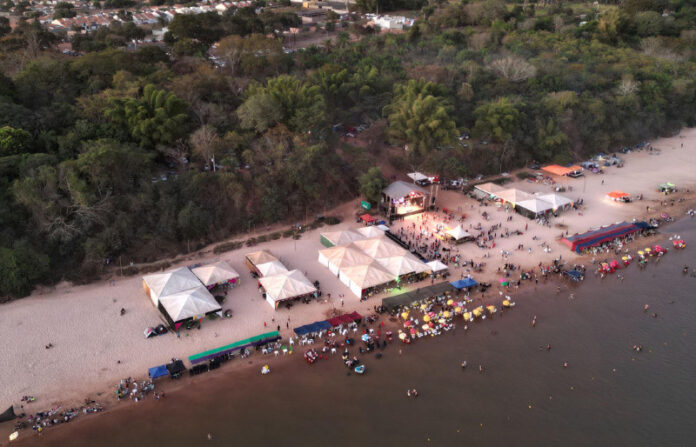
258	257
162	284
191	304
286	286
361	278
217	273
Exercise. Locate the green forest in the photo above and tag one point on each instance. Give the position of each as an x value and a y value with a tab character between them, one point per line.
141	154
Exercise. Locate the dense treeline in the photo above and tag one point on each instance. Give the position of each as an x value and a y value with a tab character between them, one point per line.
139	154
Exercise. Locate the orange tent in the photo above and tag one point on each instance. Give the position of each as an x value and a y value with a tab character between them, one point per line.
561	170
618	195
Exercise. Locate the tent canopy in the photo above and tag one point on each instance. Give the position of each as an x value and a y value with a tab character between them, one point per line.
402	265
372	231
190	303
216	273
369	275
342	237
400	189
489	188
417	176
345	256
174	281
437	266
158	371
458	233
513	195
536	206
464	283
556	200
288	285
561	170
271	268
618	195
367	218
379	247
260	257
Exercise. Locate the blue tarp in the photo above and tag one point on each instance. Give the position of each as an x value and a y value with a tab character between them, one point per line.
158	371
324	325
575	274
464	283
643	225
302	330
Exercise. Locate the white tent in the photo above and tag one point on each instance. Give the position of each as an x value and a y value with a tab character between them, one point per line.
417	176
162	284
361	277
379	247
535	206
271	268
286	286
341	237
260	257
556	200
487	190
458	233
513	196
403	265
336	258
437	266
371	231
383	227
191	303
216	273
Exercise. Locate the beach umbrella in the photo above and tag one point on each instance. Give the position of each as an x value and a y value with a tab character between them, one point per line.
404	315
446	314
624	258
425	327
442	321
457	310
431	314
407	323
647	250
506	303
413	331
491	309
402	336
478	311
431	324
424	306
426	318
467	316
450	302
365	337
640	252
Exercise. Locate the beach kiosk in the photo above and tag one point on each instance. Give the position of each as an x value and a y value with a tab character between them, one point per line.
402	199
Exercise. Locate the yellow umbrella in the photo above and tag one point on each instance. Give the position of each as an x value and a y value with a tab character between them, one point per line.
506	303
450	302
478	311
402	336
404	315
624	258
640	252
446	314
647	250
491	309
457	309
426	318
467	316
424	306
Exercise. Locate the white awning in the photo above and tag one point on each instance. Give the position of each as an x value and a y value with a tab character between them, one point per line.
437	266
417	176
458	233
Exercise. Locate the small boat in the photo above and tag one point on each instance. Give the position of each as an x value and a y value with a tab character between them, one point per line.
360	369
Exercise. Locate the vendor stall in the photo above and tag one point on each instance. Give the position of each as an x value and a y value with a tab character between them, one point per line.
159	284
286	286
619	196
191	304
361	278
217	273
258	257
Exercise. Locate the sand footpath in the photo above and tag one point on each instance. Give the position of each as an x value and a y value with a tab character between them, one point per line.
89	337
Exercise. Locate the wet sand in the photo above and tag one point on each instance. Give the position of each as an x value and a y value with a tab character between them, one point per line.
608	394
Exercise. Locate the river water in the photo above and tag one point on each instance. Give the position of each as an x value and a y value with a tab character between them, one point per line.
608	394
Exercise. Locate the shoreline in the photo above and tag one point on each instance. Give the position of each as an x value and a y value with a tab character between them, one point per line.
245	367
82	320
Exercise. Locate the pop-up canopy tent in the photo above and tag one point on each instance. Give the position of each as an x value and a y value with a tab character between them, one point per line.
336	258
464	283
417	176
618	196
188	304
379	247
404	264
161	284
556	200
437	266
561	170
271	268
340	237
367	218
362	277
176	368
533	207
216	273
158	371
286	286
458	233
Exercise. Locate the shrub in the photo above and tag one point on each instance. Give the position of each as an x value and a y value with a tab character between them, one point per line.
333	220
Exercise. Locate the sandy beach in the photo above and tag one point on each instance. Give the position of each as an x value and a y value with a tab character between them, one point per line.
94	347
